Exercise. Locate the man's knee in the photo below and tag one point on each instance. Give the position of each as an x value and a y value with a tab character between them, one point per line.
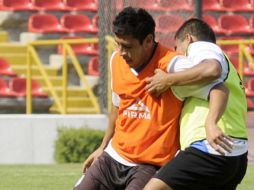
156	184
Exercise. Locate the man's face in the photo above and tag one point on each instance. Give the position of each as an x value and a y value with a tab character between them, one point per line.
182	45
133	52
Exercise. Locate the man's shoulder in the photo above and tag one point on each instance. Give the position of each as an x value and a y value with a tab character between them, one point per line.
204	46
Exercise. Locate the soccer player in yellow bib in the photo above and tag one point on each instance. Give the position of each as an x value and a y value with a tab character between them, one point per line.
202	164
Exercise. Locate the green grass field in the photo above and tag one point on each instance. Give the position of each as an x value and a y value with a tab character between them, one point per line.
62	177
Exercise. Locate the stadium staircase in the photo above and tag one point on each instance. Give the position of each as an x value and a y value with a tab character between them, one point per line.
78	101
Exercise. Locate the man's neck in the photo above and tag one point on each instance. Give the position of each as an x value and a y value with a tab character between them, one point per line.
151	54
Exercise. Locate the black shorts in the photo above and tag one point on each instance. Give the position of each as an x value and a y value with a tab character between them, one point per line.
108	174
193	169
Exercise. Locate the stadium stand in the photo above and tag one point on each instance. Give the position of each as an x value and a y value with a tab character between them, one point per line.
236	5
230	49
5	90
93	66
77	23
250	104
18	85
167	41
16	5
163	20
234	24
211	20
86	5
81	49
5	68
44	23
184	5
43	5
251	85
251	22
212	5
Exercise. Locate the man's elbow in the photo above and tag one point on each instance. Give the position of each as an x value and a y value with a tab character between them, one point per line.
213	70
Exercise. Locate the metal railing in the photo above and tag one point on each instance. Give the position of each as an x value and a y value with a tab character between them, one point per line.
243	53
67	51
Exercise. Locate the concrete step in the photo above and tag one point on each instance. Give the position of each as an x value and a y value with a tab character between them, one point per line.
55	80
35	70
11	48
71	110
71	91
77	102
15	59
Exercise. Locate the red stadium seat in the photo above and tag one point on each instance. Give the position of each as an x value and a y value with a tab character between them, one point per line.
87	5
48	4
185	5
209	19
95	23
251	22
93	66
5	91
81	49
251	84
212	5
250	104
168	23
16	5
231	49
149	5
234	61
234	24
18	85
77	23
5	68
236	5
167	41
44	23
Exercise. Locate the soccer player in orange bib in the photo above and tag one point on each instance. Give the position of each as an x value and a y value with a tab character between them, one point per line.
143	130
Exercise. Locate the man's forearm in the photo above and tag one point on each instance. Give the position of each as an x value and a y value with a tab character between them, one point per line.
111	127
202	73
217	103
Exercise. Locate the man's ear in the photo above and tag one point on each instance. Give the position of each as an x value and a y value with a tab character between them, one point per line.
149	39
189	38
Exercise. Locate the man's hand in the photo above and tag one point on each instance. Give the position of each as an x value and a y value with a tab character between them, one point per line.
91	159
217	139
158	83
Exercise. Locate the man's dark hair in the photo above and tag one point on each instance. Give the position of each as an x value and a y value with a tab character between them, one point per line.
136	22
198	28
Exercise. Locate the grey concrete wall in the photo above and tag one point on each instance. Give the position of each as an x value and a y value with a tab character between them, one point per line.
29	139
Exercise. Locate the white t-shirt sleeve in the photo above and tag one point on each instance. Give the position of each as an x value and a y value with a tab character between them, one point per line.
196	56
115	99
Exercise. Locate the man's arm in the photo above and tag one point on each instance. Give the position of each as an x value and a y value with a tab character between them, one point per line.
203	73
217	105
108	135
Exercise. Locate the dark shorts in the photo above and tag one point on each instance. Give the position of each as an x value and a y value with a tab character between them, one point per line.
193	169
108	174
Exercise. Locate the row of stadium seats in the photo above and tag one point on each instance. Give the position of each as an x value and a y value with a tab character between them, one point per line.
228	5
93	65
16	87
44	5
81	49
228	24
68	23
91	5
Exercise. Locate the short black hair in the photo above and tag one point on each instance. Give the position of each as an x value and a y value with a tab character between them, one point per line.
136	22
198	28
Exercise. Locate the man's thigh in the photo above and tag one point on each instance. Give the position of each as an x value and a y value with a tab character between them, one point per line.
193	170
97	176
108	174
139	176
